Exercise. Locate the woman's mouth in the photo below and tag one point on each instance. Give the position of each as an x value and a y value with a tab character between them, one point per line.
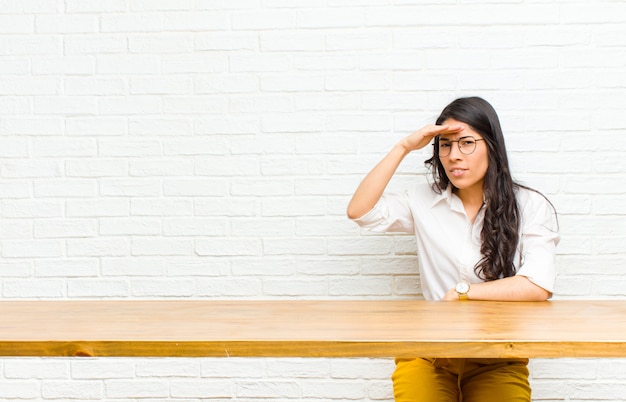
456	172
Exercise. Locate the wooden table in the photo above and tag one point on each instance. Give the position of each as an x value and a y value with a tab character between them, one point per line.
313	328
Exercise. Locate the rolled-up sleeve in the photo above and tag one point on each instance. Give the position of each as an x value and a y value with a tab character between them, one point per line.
392	213
538	242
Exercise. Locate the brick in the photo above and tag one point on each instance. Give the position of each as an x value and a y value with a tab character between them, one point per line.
301	246
194	227
225	206
262	227
135	22
159	5
129	105
195	63
324	266
65	188
161	43
268	389
20	389
156	288
292	83
228	247
204	389
179	367
16	24
227	83
95	168
197	21
262	62
72	390
129	226
330	17
161	246
195	187
65	24
160	85
32	289
127	64
106	126
131	148
243	166
16	228
67	268
295	288
196	146
161	207
233	367
31	209
260	20
266	103
264	187
97	288
298	368
263	267
32	248
225	287
16	270
35	369
292	207
326	62
133	266
101	207
161	167
101	369
65	228
363	81
227	41
98	247
136	389
53	147
197	267
130	187
94	6
344	390
195	105
31	45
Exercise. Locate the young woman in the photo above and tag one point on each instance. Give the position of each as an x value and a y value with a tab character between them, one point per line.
480	236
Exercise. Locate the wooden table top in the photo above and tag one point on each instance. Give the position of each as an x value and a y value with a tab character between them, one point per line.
313	328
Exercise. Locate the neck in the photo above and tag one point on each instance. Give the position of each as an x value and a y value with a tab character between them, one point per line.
472	200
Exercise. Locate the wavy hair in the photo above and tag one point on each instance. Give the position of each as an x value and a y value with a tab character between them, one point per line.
500	233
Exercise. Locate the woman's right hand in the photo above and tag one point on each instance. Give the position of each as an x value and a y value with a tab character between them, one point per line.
422	137
371	188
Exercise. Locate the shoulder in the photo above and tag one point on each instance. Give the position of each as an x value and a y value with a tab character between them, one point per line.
423	193
528	197
535	206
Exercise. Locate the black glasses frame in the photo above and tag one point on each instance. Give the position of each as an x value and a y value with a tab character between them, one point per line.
438	144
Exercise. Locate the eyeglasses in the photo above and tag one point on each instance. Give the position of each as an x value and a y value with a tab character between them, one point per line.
467	145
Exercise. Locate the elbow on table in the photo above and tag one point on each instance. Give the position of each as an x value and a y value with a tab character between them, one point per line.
354	211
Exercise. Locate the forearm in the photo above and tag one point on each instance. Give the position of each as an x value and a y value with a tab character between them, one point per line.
514	288
373	185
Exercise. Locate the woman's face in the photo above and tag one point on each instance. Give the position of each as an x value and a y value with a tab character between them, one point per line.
466	170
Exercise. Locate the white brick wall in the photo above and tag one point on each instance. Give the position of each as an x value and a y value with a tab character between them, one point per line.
207	149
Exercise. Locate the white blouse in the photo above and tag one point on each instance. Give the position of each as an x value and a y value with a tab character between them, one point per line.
448	244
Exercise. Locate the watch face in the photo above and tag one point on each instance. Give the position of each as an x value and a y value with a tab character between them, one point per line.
462	287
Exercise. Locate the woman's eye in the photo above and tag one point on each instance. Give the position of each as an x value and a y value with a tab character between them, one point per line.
444	145
467	142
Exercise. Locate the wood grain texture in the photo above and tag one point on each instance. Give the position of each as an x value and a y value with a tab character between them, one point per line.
313	328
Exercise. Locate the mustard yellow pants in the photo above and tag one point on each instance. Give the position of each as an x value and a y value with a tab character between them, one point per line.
461	380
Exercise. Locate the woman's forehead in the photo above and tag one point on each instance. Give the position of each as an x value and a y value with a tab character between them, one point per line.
466	131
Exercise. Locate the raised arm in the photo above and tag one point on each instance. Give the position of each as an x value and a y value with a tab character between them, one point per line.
371	188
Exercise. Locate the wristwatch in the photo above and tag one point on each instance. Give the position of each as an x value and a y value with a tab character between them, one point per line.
461	289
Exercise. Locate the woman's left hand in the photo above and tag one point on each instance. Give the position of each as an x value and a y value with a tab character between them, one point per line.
451	295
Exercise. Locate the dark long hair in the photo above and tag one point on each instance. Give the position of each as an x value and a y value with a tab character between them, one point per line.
499	236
